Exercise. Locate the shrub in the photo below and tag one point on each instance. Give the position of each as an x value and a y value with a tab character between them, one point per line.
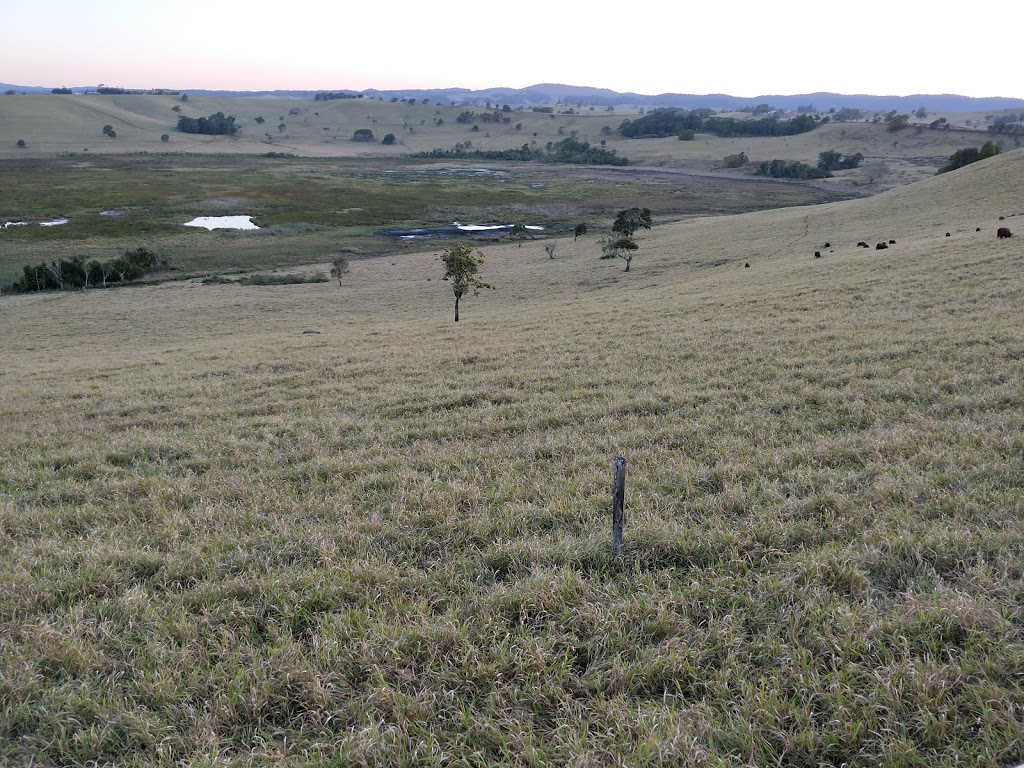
735	161
686	135
165	138
363	134
389	138
21	142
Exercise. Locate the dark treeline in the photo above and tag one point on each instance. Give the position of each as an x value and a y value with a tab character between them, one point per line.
1008	124
483	117
108	90
970	155
568	151
671	122
793	169
336	95
77	273
214	125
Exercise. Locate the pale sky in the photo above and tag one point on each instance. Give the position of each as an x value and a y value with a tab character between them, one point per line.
882	47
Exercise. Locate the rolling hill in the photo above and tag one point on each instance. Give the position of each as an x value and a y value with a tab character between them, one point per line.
323	523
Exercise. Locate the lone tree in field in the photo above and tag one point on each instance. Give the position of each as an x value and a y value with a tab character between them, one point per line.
519	232
619	248
630	220
21	143
339	267
550	250
581	229
461	266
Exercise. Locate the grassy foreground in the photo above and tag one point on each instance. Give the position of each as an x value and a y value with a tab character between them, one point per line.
224	541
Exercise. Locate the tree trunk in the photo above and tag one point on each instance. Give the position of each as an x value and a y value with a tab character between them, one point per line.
456	309
627	264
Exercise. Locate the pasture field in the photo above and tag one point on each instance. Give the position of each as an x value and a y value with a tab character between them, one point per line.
224	541
55	125
310	208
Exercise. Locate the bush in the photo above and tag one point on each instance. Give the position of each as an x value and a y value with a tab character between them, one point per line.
108	130
735	161
21	142
165	138
363	134
389	138
686	135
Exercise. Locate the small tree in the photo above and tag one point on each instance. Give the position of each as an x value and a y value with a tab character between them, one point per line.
461	268
897	122
389	138
550	250
619	248
165	138
362	134
339	267
519	232
21	143
581	229
630	220
108	130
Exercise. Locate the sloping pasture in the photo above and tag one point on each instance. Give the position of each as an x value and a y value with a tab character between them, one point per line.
224	540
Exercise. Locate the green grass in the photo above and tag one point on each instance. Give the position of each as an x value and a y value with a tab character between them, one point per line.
310	208
225	541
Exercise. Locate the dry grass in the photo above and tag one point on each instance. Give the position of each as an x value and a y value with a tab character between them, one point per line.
223	541
62	124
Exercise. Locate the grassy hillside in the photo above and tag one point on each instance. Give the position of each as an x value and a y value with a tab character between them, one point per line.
227	541
64	124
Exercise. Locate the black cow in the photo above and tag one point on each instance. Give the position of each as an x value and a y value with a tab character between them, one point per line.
881	247
1003	232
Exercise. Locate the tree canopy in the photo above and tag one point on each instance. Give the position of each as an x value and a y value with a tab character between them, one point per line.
214	125
632	219
461	269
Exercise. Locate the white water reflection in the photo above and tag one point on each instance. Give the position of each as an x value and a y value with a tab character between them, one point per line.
222	222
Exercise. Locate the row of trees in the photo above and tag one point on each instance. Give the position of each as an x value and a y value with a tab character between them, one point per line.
963	157
793	169
336	95
482	117
569	150
672	122
214	125
79	273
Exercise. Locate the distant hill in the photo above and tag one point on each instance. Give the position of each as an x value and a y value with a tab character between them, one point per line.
571	95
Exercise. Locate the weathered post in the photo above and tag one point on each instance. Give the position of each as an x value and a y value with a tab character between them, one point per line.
618	503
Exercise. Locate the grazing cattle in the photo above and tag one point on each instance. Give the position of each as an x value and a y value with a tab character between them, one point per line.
828	245
881	247
947	234
892	242
977	229
862	244
1003	232
817	254
747	265
1001	218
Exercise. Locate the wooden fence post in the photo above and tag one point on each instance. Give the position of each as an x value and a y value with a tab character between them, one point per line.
618	504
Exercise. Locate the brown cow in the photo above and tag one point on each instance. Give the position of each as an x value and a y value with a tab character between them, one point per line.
1003	232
